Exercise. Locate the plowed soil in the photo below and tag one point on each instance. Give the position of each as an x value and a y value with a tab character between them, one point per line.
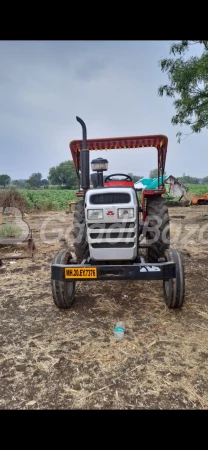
58	359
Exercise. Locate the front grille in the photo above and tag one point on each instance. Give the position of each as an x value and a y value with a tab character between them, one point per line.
110	198
112	235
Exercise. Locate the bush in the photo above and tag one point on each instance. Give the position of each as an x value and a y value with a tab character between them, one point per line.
9	230
13	199
46	205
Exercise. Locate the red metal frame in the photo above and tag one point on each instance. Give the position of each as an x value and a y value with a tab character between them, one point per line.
121	183
159	141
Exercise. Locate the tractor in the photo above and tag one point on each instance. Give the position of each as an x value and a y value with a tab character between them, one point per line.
111	227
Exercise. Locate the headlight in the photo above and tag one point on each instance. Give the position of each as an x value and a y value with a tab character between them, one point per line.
94	214
125	213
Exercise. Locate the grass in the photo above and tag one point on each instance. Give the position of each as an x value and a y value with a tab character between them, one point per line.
10	231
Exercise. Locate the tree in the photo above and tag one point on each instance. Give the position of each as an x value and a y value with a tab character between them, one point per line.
35	180
135	178
154	173
64	174
44	182
186	179
19	183
205	180
188	85
4	180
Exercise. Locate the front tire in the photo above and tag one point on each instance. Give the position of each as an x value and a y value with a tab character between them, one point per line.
157	211
63	292
174	288
79	232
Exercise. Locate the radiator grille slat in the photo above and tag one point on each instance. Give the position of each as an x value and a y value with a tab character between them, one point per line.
110	198
115	245
107	225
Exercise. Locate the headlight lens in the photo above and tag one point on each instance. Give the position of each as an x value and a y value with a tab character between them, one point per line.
95	214
125	213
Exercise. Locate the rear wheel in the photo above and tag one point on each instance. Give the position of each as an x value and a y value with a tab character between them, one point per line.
174	288
158	228
80	233
63	291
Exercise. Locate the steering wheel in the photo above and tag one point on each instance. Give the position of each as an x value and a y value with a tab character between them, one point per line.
127	177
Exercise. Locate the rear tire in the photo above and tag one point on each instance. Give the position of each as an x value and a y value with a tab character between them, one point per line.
157	210
79	232
174	288
63	291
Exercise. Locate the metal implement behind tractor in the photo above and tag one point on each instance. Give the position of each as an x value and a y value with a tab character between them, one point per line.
110	226
200	199
26	236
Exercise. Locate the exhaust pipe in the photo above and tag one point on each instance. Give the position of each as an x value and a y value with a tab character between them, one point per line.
84	158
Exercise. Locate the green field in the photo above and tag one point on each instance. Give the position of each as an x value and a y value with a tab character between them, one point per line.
57	199
48	199
52	199
198	189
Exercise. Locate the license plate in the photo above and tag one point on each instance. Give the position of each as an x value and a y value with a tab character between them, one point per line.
79	272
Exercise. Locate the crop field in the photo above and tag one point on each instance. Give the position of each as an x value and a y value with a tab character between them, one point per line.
48	199
198	189
57	199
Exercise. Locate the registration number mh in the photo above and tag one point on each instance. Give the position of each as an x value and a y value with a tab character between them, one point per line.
78	272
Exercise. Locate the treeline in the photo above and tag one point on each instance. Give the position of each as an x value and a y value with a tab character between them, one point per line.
64	175
186	179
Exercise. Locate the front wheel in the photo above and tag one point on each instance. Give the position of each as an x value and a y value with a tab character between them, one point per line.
63	291
174	288
158	223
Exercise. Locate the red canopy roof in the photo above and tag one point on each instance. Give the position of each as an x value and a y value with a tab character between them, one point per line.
159	141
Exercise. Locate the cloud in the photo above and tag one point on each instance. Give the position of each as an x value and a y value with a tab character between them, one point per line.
89	70
112	85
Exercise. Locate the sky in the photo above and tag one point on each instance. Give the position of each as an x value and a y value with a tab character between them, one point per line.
111	85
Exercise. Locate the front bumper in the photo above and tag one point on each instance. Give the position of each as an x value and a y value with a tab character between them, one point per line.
89	272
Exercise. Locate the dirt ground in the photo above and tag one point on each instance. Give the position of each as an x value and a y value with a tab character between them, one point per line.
55	359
